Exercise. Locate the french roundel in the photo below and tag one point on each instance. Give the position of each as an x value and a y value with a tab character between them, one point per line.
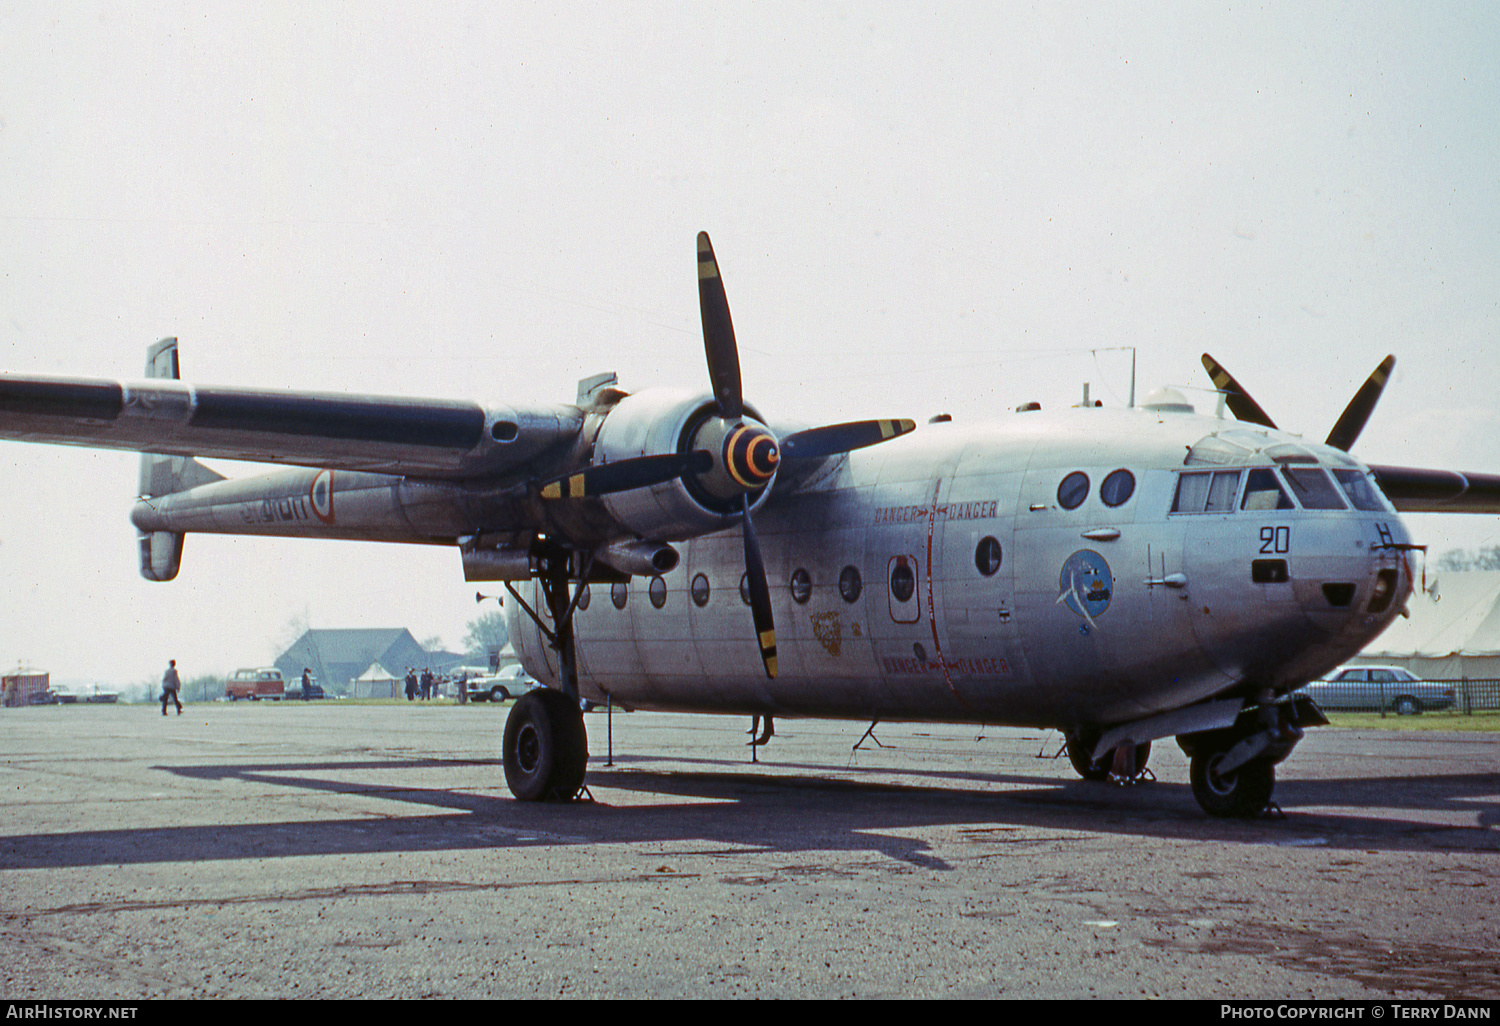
321	495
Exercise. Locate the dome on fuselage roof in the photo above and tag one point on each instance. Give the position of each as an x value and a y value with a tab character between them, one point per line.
1167	400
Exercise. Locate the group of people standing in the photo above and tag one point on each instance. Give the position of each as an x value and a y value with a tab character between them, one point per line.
423	686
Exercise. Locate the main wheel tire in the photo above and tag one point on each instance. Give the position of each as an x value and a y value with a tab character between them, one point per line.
546	748
1243	794
1079	750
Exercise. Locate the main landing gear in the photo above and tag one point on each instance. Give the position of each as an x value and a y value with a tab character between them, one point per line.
1123	765
546	749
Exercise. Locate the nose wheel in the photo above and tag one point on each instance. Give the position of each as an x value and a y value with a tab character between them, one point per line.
1233	770
1239	794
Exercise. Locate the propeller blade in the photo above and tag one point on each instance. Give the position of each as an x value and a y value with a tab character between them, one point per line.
760	593
718	333
1239	401
627	474
1352	421
815	443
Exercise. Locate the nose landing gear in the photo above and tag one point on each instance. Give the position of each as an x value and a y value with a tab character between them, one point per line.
1233	770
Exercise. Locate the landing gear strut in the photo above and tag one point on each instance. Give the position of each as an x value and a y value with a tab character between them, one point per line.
546	749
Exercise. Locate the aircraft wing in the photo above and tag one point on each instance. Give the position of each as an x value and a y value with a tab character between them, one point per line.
438	438
1420	490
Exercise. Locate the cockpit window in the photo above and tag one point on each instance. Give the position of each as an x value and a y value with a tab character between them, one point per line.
1206	492
1361	491
1263	492
1192	493
1221	493
1313	489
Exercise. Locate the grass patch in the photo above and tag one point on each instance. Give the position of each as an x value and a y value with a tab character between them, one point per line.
1486	721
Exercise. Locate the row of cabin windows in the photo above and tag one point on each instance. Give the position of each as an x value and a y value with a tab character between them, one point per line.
1115	490
987	559
1215	491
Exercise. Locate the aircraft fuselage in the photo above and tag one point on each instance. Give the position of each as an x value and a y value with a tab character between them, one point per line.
944	577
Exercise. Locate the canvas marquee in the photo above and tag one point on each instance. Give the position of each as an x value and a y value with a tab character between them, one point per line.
1453	632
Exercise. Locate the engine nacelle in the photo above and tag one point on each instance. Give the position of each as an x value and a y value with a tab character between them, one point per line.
658	422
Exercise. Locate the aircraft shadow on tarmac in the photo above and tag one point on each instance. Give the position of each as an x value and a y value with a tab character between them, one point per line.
723	802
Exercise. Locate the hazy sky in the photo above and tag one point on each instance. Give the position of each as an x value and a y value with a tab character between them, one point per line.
917	207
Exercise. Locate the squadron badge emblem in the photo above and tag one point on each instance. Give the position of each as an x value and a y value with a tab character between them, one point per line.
1086	584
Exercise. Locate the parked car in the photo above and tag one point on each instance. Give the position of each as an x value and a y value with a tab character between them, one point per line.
255	684
1379	688
314	690
511	682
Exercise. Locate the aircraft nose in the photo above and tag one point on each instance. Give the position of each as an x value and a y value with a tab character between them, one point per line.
1356	579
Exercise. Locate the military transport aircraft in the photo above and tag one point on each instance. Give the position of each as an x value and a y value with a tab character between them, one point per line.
1121	575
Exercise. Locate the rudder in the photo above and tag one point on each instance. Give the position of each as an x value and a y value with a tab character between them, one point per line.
161	551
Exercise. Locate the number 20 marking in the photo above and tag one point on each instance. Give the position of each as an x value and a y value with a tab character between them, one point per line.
1275	539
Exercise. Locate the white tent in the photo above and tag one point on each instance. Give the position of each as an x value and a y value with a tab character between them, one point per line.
376	682
1453	632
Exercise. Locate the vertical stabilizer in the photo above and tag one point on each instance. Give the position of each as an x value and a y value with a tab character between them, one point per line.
161	551
161	359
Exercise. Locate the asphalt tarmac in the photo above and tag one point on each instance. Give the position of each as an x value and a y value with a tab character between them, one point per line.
329	850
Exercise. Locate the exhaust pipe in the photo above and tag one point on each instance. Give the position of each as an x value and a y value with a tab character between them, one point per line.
641	558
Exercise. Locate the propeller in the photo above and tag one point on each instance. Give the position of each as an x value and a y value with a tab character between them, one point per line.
724	372
641	472
1239	401
1350	423
815	443
731	457
718	333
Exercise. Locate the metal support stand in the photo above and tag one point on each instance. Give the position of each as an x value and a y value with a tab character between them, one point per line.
870	733
763	739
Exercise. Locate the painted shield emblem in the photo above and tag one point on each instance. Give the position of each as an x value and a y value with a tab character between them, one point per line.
1085	584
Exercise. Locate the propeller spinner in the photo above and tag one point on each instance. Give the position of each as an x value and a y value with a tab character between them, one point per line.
730	456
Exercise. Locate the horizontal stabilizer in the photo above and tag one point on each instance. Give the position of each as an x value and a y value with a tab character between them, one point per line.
161	555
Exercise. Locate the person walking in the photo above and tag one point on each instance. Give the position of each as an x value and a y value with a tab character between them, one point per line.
170	685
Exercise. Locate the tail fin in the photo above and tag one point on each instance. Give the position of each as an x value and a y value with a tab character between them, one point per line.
161	551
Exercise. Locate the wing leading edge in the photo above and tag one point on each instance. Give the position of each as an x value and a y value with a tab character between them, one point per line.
440	438
1421	490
